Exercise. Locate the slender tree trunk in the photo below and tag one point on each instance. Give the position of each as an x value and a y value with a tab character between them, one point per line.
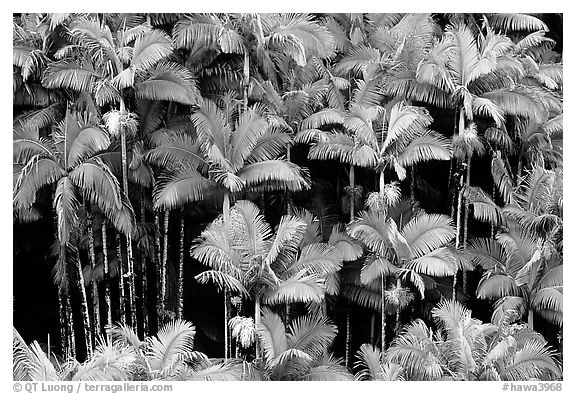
257	322
122	303
129	254
398	324
106	274
454	285
383	311
158	269
70	324
287	193
95	329
164	268
530	318
144	271
465	226
382	182
492	226
226	214
348	335
62	318
412	187
225	324
246	81
180	297
519	174
352	194
83	308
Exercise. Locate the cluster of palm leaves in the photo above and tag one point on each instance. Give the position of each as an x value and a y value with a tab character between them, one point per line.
131	127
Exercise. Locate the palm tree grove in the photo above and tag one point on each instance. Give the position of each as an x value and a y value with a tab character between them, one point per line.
276	196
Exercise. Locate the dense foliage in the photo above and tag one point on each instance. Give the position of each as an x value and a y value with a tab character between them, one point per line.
293	177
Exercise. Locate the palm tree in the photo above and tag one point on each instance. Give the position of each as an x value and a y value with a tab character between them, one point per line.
101	72
464	348
70	160
270	44
244	156
300	354
371	366
409	248
168	356
247	257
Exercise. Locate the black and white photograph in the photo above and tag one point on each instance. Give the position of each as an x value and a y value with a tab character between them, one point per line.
270	196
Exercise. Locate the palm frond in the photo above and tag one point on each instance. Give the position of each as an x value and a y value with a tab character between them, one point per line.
272	335
297	288
516	22
170	345
170	82
272	175
149	48
497	286
428	232
439	262
69	75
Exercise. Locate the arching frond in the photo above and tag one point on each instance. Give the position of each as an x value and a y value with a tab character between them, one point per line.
149	48
37	172
484	209
69	75
176	189
172	344
312	334
273	174
425	147
30	362
516	22
439	262
497	286
374	268
272	335
298	288
428	232
170	82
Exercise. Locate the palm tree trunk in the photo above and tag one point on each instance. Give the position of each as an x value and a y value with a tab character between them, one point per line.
225	324
226	213
412	186
83	307
122	304
106	274
383	311
158	265
226	206
348	335
465	225
246	81
519	174
144	271
397	328
530	318
70	325
454	285
164	268
130	260
381	182
95	329
180	297
62	319
257	322
352	194
492	226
